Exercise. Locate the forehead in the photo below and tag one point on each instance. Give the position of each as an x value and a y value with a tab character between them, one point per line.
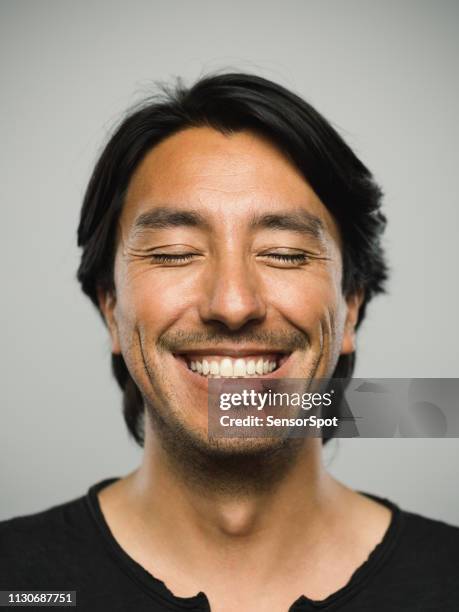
223	176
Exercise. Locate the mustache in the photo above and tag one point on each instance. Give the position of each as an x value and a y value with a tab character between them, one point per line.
182	340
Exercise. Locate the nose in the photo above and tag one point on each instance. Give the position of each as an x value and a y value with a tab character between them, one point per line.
233	295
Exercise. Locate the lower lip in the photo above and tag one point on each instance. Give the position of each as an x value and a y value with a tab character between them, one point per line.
203	381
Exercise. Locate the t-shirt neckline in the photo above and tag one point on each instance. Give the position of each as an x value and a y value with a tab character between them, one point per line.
149	583
158	589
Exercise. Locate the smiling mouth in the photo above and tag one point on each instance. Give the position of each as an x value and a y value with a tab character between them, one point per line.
242	366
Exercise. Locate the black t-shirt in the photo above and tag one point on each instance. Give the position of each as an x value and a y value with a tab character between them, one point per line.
70	547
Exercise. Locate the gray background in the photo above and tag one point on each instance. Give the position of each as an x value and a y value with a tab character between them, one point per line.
385	74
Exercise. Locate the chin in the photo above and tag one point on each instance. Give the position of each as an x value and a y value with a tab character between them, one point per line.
183	438
236	447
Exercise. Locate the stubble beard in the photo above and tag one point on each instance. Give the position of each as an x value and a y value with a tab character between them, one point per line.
233	467
227	467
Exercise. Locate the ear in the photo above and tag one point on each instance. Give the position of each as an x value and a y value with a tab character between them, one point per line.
107	303
353	302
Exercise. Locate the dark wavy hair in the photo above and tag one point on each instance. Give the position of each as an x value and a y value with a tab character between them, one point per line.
230	103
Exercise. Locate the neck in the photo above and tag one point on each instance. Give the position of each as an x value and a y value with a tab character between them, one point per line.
234	495
195	533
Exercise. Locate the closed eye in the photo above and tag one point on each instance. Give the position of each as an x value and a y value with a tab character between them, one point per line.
179	258
296	258
172	258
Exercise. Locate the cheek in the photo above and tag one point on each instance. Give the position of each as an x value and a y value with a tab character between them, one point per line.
150	300
309	299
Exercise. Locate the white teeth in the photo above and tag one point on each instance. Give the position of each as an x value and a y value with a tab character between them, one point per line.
259	367
239	367
226	367
229	367
214	369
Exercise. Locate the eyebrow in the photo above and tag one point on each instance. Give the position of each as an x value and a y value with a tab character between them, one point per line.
165	217
300	221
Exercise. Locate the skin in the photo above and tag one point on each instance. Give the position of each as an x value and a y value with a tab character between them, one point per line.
254	523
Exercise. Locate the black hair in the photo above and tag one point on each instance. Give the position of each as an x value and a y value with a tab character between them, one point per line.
230	103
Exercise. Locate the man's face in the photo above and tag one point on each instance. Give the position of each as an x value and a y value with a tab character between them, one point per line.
227	263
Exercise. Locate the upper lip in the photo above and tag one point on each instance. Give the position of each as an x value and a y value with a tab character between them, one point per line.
239	351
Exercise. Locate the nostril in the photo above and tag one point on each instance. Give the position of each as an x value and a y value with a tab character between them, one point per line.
233	308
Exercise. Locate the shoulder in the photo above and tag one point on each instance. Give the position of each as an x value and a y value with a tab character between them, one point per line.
426	559
422	564
420	551
37	544
418	533
421	526
51	522
436	537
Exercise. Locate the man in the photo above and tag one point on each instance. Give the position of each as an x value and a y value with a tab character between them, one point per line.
228	230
